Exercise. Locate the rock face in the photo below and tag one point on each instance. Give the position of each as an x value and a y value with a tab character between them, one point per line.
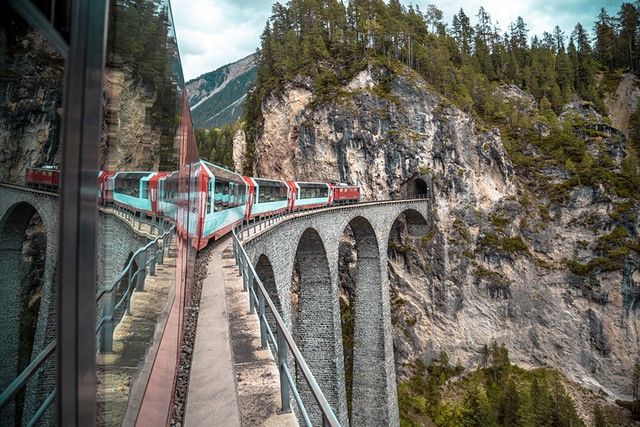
31	94
128	142
495	264
239	150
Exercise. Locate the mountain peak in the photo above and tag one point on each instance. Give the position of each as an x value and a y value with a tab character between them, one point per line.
216	98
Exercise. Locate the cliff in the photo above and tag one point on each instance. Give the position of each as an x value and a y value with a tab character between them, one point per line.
538	256
31	95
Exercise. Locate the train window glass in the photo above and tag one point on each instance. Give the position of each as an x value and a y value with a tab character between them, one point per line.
144	189
209	191
232	195
241	194
221	195
313	191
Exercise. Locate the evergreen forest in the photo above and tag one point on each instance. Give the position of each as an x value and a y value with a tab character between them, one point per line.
324	44
330	41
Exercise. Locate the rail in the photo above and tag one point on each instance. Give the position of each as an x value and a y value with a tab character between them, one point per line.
266	221
281	340
21	380
113	305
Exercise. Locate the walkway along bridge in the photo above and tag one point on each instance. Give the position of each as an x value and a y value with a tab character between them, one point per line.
300	319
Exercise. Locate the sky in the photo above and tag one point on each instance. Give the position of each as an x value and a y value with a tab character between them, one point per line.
213	33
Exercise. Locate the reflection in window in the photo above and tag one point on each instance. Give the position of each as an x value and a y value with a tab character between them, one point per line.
31	79
221	194
132	184
270	191
313	191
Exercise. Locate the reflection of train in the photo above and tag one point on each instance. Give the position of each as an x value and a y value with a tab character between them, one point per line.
43	178
225	197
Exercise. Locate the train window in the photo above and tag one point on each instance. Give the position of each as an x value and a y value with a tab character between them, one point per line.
221	195
209	190
242	192
144	189
232	194
313	191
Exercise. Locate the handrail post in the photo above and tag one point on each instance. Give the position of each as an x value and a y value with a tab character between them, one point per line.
129	289
152	265
245	279
263	325
252	308
142	267
282	365
161	253
106	331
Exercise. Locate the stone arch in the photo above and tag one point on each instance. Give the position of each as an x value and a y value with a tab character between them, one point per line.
23	255
370	380
409	221
313	322
264	269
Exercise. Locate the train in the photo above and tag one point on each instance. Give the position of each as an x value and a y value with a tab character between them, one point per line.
46	178
225	197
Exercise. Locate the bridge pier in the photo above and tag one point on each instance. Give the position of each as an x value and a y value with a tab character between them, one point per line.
297	260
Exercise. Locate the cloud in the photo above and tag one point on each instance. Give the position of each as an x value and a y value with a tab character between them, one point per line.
212	33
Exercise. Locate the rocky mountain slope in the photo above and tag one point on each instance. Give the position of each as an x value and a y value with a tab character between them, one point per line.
31	96
216	98
555	277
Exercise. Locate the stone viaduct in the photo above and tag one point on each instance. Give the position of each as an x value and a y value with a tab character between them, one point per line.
297	261
21	211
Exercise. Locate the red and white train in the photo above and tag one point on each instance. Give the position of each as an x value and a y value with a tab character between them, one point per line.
224	197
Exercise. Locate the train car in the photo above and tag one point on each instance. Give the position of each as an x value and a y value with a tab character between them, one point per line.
131	189
44	178
226	201
266	196
154	183
105	187
344	194
310	195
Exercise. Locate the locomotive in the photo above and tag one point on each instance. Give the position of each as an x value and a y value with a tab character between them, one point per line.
225	197
45	178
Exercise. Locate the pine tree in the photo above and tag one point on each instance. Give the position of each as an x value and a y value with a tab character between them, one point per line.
628	19
605	40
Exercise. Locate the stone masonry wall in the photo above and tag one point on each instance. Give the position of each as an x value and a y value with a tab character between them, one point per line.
375	367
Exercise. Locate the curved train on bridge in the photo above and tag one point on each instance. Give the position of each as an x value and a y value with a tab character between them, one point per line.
225	197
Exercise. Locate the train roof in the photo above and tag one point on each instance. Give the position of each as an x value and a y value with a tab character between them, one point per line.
220	172
311	184
269	182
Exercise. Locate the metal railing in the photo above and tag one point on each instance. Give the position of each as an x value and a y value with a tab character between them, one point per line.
107	324
21	380
259	300
280	340
113	307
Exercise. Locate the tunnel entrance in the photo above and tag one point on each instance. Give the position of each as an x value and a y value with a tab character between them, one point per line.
417	188
23	246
